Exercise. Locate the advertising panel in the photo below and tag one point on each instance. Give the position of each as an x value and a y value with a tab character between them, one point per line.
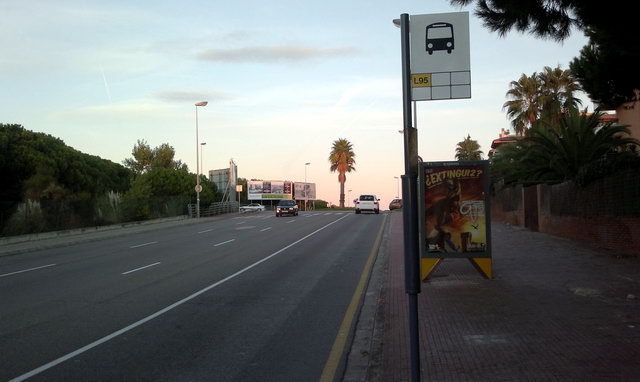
455	219
305	191
269	189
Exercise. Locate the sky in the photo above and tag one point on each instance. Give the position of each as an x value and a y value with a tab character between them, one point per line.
284	79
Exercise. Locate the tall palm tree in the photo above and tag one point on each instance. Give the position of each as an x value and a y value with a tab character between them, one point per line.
523	107
342	160
468	149
557	93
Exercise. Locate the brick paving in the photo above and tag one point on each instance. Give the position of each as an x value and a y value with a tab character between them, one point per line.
555	311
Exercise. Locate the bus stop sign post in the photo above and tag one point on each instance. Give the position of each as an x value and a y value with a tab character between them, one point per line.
410	201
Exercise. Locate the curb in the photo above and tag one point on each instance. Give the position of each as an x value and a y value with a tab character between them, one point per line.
364	360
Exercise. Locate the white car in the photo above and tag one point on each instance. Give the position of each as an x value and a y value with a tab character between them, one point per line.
367	203
253	207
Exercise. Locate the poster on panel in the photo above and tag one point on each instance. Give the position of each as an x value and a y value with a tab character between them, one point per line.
455	219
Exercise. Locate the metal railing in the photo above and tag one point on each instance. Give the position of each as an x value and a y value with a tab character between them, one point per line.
213	209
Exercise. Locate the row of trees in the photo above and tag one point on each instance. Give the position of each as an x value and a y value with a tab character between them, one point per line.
48	185
558	142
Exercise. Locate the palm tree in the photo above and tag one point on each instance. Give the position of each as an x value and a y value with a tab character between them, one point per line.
524	105
468	149
557	93
555	154
342	160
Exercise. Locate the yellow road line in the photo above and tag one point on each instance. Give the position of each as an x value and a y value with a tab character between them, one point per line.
330	368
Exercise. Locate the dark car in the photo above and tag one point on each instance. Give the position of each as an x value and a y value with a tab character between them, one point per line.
287	207
395	204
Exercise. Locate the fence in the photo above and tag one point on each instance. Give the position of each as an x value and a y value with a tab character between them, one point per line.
36	216
213	209
605	212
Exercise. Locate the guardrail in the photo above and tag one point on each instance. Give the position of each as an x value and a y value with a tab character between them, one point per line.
213	209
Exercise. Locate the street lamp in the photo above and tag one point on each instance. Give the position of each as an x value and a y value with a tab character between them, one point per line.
348	197
198	186
397	187
305	181
305	171
202	158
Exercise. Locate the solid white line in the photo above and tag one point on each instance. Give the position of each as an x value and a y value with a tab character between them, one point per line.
142	245
137	269
27	270
265	229
162	311
224	242
206	230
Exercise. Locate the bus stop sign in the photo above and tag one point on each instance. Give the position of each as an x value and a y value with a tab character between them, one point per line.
440	58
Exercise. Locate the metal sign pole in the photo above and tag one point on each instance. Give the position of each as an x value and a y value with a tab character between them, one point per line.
410	197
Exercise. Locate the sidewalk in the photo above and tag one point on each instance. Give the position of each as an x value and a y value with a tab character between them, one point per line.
555	311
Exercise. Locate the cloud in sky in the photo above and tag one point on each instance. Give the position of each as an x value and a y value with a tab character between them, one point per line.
274	53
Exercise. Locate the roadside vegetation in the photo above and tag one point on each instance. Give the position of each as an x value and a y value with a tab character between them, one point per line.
48	185
557	141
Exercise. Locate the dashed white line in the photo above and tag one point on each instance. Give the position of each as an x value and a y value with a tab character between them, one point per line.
137	269
115	334
224	242
142	245
240	223
206	230
27	270
265	229
291	221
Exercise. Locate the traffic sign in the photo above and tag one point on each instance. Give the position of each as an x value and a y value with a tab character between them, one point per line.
440	52
198	188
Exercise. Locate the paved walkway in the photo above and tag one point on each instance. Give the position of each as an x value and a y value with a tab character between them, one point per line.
555	311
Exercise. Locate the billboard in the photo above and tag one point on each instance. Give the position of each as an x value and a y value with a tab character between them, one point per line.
269	189
455	219
304	191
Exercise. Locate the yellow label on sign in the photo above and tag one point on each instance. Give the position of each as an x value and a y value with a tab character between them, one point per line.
421	80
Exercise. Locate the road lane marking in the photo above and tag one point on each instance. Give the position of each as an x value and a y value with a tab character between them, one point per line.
115	334
27	270
328	213
224	242
291	221
240	223
137	269
265	229
330	368
206	230
142	245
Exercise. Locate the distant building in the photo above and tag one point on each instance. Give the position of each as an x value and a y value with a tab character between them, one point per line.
505	138
226	180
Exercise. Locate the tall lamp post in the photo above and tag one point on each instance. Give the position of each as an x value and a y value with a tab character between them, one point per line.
349	197
397	187
198	186
305	181
202	158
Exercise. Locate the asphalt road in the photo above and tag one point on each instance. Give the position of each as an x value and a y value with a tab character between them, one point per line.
253	297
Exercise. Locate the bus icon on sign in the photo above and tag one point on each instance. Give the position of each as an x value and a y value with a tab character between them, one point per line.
439	37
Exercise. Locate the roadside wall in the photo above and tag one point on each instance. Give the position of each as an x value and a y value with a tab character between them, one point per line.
605	213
